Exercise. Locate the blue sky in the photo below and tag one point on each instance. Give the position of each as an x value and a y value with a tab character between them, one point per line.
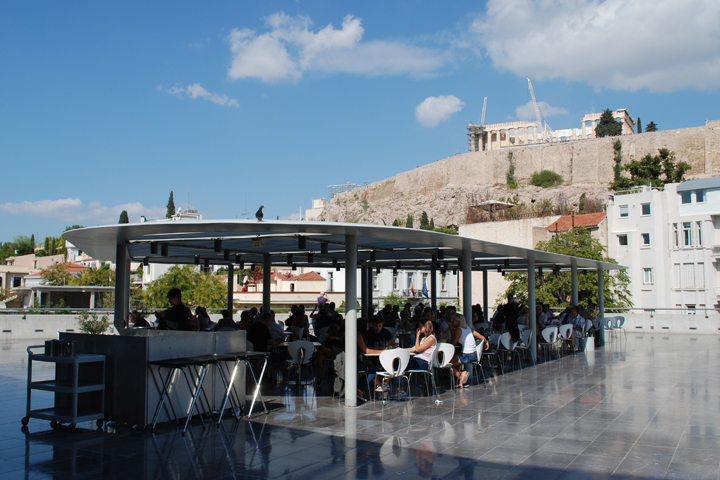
110	106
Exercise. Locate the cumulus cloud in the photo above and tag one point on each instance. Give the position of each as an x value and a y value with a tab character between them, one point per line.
73	210
196	90
434	110
527	112
661	45
290	48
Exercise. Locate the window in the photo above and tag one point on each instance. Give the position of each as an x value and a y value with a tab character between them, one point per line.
425	278
410	281
698	243
444	282
687	234
646	239
623	211
699	196
1	282
688	275
622	240
645	208
676	236
330	281
647	276
691	309
701	276
686	197
17	282
676	275
375	282
395	281
292	287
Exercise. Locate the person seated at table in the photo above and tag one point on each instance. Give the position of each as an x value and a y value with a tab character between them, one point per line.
301	320
203	318
177	317
276	329
564	316
334	337
245	322
379	336
541	318
323	320
388	316
138	320
226	323
498	319
578	323
446	321
253	314
259	335
425	345
466	339
362	349
511	315
523	320
289	321
404	322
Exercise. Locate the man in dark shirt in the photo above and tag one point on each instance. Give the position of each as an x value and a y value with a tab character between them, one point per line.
176	317
378	335
259	334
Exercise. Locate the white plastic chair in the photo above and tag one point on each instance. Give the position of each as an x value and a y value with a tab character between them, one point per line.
429	371
548	340
565	336
393	332
526	337
508	345
298	332
300	352
444	360
395	362
479	351
323	334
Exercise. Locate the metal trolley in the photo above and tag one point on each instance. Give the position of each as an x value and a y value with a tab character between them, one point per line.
79	388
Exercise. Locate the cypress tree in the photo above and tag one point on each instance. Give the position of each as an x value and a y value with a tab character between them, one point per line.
170	206
124	217
639	125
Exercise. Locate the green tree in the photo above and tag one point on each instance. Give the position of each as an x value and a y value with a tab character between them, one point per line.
198	289
655	170
557	289
608	126
546	178
32	242
57	274
101	277
651	127
23	245
170	206
617	148
582	204
510	176
424	221
124	217
409	221
432	224
639	125
73	227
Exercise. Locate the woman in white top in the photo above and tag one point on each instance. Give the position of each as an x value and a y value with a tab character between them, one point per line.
468	355
425	345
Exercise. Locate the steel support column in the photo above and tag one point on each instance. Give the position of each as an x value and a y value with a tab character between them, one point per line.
531	304
364	303
486	304
574	282
230	289
350	320
122	286
433	286
267	272
601	304
467	282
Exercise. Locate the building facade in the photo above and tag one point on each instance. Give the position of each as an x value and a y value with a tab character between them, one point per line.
667	238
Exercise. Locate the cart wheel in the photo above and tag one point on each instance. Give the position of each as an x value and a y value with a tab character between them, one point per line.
99	423
25	421
53	424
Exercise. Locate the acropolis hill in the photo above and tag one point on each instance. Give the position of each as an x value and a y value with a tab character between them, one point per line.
445	189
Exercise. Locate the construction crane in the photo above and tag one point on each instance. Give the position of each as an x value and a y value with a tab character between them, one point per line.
482	119
542	125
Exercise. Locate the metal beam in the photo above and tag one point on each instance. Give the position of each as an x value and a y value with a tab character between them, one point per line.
122	286
467	283
574	282
601	304
267	271
486	304
230	289
531	304
433	287
364	303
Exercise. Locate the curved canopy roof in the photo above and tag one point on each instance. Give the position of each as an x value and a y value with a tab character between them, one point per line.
314	244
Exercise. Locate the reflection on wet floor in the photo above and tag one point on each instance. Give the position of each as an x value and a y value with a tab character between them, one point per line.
644	407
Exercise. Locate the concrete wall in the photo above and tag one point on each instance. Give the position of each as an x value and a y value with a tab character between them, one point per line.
40	327
672	323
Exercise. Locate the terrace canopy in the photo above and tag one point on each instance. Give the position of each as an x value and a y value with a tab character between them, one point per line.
319	244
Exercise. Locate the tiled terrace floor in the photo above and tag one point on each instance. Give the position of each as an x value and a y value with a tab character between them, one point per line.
644	407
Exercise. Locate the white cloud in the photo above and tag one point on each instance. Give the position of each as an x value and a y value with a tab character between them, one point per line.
73	210
662	45
527	112
434	110
196	90
290	48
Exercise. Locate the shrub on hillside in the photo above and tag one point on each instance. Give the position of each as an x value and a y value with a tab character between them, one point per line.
546	178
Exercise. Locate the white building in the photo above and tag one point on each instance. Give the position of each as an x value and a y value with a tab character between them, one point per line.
667	238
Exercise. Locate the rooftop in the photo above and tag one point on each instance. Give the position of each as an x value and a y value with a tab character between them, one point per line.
643	407
568	222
